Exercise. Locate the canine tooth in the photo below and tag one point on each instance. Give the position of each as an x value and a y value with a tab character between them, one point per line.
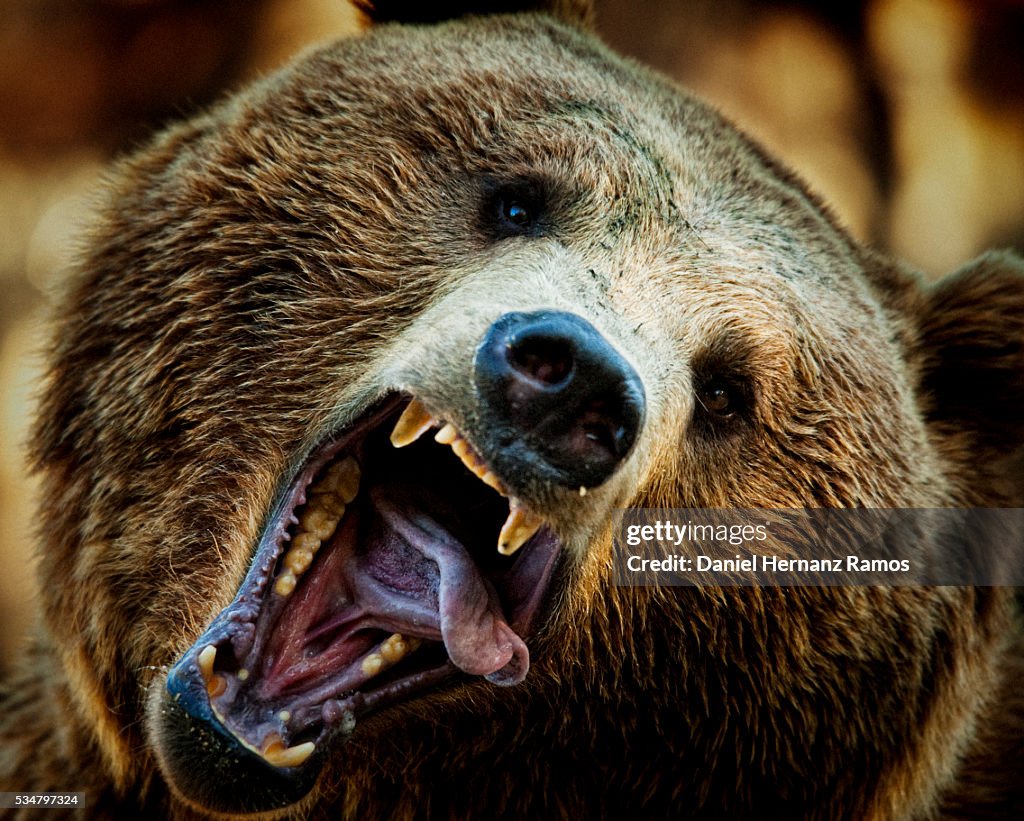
216	685
447	434
242	674
285	716
520	525
205	661
285	584
583	490
278	755
412	424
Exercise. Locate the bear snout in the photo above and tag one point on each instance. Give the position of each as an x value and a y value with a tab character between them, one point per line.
556	398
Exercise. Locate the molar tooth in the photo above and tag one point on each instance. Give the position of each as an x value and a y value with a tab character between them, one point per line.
345	475
298	561
332	503
306	541
447	434
412	424
390	651
373	664
205	661
318	521
278	755
396	647
285	583
520	525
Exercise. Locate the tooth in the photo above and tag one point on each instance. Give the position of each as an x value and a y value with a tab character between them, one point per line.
469	458
520	525
332	503
285	584
216	685
319	522
463	451
205	661
447	434
306	541
373	664
493	481
285	716
391	651
412	424
396	647
278	755
298	561
345	477
242	674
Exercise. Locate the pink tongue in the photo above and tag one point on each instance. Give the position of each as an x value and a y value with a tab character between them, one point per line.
473	628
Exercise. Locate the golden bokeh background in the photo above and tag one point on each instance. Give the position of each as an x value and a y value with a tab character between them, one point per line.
906	115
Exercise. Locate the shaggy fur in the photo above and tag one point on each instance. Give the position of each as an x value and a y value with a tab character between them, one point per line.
262	273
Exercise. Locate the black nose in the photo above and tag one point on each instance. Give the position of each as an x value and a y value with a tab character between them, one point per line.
556	400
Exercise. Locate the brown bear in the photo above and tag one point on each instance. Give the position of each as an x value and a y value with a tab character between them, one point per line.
357	372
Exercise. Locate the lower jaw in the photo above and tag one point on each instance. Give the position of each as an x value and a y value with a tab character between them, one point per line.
199	714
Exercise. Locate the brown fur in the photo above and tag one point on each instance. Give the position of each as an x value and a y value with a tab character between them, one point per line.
263	272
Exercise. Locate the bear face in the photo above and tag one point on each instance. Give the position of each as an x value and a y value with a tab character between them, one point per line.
597	294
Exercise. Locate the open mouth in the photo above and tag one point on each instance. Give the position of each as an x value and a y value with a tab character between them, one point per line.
396	560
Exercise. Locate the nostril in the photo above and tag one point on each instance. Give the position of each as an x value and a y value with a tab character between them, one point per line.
602	427
543	359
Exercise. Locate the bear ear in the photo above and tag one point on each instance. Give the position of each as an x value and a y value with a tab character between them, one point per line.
972	332
580	12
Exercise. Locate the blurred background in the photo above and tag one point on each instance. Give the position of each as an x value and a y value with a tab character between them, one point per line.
906	115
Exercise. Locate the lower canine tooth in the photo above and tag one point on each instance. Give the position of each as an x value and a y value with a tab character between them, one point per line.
412	424
278	755
520	525
216	685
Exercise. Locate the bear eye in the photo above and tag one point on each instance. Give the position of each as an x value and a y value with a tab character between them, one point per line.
515	211
722	401
716	399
